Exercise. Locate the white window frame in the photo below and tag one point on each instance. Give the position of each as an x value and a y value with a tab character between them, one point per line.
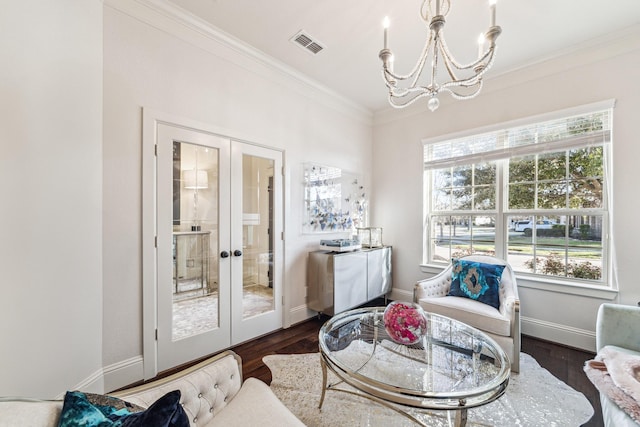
607	287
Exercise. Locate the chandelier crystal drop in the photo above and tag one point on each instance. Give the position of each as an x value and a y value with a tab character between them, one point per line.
462	81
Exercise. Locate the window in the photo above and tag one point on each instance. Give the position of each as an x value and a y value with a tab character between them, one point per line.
534	193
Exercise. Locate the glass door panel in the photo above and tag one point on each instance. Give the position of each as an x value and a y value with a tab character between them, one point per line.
256	289
257	222
195	240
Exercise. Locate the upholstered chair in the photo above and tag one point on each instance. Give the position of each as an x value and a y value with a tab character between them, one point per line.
501	323
617	326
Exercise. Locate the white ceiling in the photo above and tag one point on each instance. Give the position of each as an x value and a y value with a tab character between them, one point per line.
352	36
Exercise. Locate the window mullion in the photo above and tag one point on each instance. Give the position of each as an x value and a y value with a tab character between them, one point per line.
502	233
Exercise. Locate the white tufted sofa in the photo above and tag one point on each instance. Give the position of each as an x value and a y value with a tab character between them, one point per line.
212	389
502	325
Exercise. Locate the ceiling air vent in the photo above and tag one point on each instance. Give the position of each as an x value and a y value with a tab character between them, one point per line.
306	42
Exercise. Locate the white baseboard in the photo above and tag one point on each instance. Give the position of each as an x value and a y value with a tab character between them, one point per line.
562	334
401	295
112	377
94	383
121	374
300	314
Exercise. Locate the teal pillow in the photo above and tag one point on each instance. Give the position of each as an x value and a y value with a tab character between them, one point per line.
86	410
476	280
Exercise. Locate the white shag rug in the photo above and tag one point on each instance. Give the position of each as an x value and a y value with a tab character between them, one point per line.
534	398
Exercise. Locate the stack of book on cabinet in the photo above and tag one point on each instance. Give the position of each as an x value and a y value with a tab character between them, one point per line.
340	245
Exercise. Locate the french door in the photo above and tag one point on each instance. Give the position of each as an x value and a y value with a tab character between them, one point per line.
218	222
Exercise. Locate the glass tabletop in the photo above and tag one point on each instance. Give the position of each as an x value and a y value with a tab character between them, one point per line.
452	366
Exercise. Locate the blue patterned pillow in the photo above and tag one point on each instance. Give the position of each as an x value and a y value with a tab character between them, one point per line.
80	409
476	280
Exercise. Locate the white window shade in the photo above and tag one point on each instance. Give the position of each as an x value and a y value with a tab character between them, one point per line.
579	130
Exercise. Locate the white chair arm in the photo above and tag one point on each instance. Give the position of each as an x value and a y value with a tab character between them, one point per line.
510	306
509	301
436	286
618	325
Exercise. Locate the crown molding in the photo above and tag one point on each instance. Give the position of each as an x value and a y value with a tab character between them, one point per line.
172	19
591	51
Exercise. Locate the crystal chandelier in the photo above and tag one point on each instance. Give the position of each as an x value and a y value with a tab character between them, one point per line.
404	90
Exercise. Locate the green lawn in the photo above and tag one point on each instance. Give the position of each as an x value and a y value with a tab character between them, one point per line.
588	249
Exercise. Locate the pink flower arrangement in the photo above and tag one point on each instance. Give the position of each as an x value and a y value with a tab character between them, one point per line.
405	322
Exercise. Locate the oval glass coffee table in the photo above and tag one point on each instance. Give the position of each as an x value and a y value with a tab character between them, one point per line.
453	367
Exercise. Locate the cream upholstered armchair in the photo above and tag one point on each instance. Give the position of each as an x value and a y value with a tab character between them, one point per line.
501	323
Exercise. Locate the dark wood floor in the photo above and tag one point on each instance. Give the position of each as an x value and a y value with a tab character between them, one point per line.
563	362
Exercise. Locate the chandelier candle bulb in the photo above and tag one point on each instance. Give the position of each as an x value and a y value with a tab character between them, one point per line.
385	25
492	7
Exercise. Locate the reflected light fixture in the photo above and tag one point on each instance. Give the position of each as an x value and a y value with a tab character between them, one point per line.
404	90
196	179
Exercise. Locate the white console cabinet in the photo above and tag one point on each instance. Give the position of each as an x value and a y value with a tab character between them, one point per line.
341	281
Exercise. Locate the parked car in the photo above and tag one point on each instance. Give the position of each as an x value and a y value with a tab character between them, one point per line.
517	225
528	225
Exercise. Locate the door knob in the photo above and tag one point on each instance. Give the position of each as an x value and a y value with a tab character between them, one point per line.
224	254
237	252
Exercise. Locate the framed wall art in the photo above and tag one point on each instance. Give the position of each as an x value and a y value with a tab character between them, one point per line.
334	200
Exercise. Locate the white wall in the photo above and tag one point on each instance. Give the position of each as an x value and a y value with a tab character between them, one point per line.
51	175
190	74
595	74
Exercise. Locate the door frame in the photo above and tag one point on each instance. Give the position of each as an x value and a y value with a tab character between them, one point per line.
151	118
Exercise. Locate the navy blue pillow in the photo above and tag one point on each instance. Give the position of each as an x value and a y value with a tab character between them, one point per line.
476	280
79	410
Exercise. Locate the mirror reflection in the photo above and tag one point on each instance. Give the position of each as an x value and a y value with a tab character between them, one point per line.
195	240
